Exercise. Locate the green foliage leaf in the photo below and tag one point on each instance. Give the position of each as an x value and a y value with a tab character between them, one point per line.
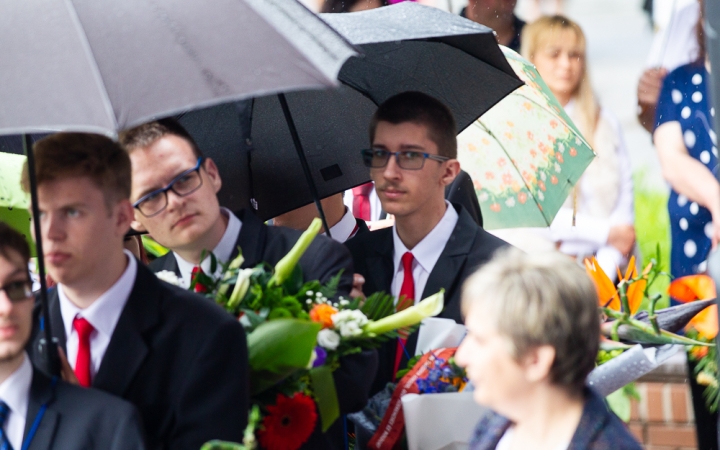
323	386
280	344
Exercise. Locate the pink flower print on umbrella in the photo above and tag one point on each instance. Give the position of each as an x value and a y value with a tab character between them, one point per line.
516	149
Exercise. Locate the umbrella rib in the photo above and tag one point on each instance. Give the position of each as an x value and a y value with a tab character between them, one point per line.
517	169
72	13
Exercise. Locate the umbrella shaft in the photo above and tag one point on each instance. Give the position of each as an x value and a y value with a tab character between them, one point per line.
48	349
303	161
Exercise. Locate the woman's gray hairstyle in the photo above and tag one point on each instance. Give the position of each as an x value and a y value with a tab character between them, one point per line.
540	299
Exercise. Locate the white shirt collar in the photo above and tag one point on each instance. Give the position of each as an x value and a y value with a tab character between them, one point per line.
15	390
345	229
429	249
222	251
104	313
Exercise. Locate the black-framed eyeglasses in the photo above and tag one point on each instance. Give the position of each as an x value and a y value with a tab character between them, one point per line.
376	158
17	291
184	184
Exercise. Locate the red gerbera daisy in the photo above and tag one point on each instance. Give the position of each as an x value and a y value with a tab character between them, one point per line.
289	423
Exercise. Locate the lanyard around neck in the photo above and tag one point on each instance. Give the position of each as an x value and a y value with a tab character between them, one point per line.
38	419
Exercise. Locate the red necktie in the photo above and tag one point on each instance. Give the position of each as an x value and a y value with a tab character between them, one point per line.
82	363
405	299
361	201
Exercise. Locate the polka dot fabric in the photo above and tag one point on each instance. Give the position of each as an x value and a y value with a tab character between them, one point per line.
684	99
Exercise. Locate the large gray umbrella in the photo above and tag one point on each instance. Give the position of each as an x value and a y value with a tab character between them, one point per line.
405	47
100	66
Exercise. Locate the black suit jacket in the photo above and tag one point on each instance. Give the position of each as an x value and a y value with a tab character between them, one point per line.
261	243
79	418
468	248
181	360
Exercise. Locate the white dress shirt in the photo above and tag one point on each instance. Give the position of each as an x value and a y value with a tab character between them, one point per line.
345	229
222	251
103	315
15	391
425	253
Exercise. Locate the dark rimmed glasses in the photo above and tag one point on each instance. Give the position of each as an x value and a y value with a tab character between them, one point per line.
17	291
376	158
184	184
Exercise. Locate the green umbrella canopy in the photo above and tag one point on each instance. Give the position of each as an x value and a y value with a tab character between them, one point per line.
14	203
524	155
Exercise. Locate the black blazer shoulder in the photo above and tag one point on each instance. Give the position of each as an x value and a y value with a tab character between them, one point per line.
80	418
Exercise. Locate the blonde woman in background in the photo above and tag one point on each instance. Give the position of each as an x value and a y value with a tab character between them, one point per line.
603	199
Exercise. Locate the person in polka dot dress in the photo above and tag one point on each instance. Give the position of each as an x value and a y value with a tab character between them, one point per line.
687	148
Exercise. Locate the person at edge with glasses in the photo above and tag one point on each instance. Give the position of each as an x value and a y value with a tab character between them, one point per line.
36	411
174	193
434	244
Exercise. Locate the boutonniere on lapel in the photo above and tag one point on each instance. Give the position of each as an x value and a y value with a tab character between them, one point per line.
297	332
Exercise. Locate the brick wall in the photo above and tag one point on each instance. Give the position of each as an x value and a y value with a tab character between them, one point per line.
663	419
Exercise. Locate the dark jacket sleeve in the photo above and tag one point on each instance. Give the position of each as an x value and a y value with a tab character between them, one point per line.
324	259
128	430
214	400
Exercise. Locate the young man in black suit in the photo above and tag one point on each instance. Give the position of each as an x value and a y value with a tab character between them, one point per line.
181	360
72	417
174	190
434	244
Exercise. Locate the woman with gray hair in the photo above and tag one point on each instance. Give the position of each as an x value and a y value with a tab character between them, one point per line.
533	336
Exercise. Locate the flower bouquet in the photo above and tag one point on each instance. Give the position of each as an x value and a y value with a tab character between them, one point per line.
296	334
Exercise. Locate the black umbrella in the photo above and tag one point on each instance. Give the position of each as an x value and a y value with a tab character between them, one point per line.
406	47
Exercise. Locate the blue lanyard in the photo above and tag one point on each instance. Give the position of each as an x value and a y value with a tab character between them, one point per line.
38	419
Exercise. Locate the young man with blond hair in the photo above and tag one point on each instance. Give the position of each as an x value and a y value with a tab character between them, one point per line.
181	360
434	244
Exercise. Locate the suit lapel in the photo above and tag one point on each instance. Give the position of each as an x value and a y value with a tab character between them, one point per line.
127	349
380	263
449	266
56	320
251	240
41	392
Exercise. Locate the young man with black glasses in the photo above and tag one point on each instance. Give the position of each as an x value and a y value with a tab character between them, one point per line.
434	244
174	192
36	411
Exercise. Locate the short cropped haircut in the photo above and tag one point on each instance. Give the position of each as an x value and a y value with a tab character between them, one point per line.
146	134
12	240
71	155
540	299
421	109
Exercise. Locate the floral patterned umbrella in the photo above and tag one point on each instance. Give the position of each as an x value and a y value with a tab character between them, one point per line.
524	155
